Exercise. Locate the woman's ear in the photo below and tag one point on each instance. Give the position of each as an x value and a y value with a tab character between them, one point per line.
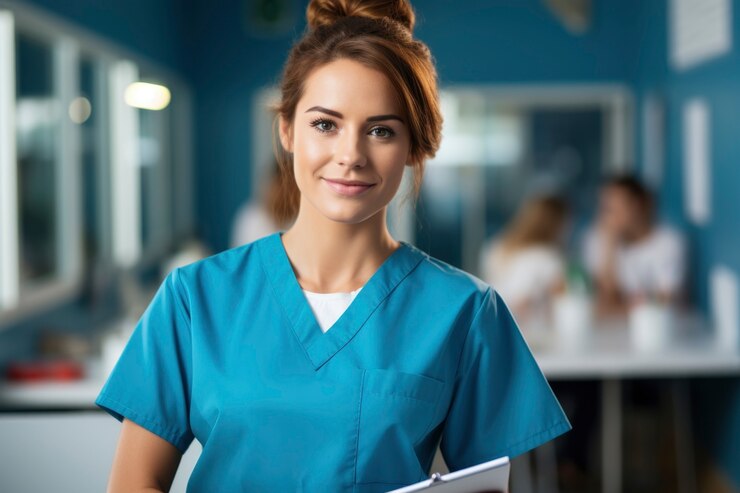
286	134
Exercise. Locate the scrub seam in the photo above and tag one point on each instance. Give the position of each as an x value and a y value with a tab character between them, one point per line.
531	441
385	297
176	274
359	426
280	305
431	420
170	433
467	334
369	315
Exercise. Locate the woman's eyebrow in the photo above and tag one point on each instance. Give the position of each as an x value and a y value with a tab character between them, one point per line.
376	118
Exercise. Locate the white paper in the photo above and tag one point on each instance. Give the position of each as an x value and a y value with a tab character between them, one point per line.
724	299
699	31
487	476
697	160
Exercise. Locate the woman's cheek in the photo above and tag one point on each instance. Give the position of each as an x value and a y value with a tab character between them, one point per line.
314	153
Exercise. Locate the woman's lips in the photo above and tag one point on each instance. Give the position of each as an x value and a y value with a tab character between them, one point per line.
348	189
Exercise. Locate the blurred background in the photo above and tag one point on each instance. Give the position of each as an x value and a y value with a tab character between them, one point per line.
589	171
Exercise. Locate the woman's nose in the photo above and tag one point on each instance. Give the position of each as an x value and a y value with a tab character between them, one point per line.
349	150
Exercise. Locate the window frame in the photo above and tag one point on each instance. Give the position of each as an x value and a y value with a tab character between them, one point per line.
119	237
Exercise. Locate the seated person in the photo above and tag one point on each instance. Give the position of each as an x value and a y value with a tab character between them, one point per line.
526	263
631	257
268	213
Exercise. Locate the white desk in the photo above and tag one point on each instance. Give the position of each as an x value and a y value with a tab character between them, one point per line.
607	354
54	395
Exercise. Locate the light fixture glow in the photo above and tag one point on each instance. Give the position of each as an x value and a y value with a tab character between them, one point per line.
79	110
147	96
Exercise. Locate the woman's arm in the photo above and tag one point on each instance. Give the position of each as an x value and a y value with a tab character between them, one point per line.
143	463
609	297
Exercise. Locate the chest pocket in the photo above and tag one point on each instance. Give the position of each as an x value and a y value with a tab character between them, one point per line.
396	413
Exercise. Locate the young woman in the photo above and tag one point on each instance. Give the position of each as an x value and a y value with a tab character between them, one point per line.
413	354
631	256
526	262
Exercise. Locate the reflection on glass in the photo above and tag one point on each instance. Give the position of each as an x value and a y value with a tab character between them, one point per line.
38	119
496	153
85	110
154	169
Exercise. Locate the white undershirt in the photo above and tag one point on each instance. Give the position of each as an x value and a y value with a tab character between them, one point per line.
328	307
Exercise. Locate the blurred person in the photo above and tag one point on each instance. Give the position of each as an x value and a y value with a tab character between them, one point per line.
630	256
526	262
331	356
265	214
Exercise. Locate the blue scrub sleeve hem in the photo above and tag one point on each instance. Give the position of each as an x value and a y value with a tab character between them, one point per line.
536	440
119	411
521	446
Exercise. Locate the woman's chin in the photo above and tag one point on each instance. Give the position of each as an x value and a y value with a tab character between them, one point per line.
348	215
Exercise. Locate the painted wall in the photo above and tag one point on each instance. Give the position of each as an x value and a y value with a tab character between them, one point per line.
153	29
717	402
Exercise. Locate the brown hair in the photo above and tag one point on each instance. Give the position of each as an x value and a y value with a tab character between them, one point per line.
635	190
538	222
378	34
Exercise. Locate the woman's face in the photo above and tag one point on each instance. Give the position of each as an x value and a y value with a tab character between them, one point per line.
619	211
350	141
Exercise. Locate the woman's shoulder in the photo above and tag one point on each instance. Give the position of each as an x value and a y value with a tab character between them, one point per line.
442	276
234	261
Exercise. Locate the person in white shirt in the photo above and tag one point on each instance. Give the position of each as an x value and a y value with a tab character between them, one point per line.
526	262
630	257
264	214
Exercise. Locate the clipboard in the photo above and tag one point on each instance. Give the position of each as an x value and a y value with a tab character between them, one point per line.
484	477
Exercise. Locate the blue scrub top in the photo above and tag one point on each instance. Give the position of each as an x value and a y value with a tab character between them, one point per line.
229	352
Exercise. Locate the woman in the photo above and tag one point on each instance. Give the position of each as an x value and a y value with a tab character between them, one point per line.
526	262
265	214
632	257
230	351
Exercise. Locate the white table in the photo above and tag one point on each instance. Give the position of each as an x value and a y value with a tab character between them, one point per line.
42	396
607	354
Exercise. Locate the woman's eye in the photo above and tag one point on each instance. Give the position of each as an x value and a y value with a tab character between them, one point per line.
322	125
382	132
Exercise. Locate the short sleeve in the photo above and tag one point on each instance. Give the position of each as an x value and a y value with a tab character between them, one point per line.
502	404
670	264
591	249
150	383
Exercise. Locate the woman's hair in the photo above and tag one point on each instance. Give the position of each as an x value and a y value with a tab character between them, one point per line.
635	189
539	222
377	34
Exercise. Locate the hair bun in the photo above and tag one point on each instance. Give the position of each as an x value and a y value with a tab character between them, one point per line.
326	12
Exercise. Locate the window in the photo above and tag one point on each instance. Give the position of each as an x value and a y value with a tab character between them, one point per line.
89	178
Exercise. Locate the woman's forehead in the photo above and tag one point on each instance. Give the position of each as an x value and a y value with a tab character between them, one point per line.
350	88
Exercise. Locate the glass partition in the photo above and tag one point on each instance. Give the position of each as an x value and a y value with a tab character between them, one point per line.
38	124
501	146
94	161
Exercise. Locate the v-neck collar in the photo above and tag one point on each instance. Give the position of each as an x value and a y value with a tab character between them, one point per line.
321	346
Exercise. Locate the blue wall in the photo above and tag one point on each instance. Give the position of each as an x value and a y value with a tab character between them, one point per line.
152	29
717	242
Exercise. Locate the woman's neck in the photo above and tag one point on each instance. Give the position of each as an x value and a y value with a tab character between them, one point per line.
329	256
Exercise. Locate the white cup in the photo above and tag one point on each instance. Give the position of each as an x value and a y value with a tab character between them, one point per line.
650	326
573	316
